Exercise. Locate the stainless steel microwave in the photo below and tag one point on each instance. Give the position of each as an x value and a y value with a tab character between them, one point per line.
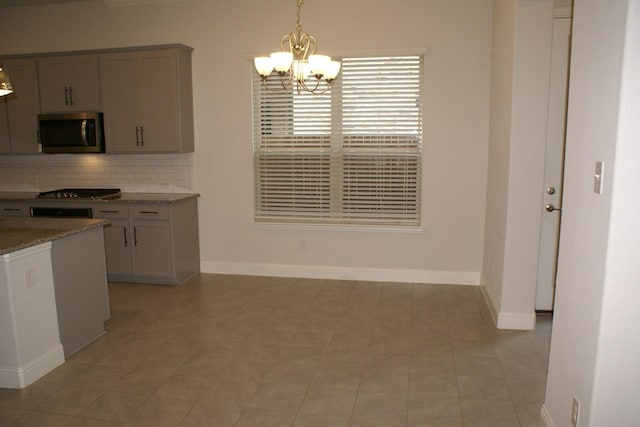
71	133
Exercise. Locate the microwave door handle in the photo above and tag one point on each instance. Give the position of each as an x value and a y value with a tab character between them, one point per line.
83	132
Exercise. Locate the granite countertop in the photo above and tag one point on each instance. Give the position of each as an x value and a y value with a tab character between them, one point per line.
21	233
170	198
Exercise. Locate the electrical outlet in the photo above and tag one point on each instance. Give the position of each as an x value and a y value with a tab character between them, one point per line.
302	245
575	412
30	278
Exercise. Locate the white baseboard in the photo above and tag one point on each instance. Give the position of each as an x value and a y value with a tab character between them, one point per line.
506	320
520	321
27	374
343	273
486	293
545	418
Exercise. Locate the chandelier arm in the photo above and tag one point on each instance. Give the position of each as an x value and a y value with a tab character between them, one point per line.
306	88
272	90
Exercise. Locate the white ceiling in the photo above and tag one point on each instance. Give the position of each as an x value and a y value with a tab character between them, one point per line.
110	3
6	3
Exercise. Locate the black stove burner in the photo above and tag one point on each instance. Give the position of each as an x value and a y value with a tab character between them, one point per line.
82	193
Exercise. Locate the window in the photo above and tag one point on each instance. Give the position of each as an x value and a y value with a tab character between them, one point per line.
350	156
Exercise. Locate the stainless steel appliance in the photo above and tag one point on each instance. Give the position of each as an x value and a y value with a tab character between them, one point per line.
71	133
70	211
82	193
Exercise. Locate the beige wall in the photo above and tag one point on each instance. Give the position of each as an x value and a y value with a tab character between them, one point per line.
518	129
499	145
224	34
595	348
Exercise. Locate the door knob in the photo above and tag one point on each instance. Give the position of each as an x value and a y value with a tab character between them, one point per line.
551	208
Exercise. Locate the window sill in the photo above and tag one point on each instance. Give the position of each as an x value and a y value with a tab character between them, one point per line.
336	227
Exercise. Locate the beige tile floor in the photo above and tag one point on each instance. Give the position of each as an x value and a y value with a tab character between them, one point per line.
255	351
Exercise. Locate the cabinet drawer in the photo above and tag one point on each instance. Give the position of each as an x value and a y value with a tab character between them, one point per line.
10	209
150	212
110	211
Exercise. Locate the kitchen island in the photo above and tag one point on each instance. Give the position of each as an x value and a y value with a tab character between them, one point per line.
53	293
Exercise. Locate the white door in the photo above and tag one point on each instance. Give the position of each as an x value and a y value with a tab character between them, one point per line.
552	200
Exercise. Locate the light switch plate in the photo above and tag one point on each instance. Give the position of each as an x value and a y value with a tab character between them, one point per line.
598	177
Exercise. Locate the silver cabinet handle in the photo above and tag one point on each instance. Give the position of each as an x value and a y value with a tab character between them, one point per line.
66	96
149	212
135	236
142	135
137	136
126	242
70	96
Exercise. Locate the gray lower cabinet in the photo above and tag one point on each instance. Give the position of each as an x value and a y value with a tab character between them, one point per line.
14	209
116	239
151	243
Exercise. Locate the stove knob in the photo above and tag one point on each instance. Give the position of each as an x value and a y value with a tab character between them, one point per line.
74	195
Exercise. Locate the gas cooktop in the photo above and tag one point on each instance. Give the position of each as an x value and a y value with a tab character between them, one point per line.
82	193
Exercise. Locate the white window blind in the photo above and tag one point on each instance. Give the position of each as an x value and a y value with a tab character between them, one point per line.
350	156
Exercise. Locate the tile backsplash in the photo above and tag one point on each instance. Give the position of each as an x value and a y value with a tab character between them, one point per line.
148	173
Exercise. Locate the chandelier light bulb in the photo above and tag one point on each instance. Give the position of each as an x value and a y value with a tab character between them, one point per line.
264	65
332	69
5	85
282	61
318	64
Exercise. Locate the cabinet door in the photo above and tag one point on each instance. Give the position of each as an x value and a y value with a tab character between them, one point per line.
54	85
117	241
117	238
5	145
69	83
120	100
84	91
159	101
23	106
152	248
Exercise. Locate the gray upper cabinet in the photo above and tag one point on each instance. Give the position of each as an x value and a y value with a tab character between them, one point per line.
147	100
69	83
145	94
23	105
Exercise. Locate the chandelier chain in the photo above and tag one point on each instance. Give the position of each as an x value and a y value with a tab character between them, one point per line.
299	22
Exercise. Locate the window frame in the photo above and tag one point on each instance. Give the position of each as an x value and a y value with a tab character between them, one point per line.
333	221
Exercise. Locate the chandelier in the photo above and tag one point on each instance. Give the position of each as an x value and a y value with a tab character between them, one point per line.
5	84
297	65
